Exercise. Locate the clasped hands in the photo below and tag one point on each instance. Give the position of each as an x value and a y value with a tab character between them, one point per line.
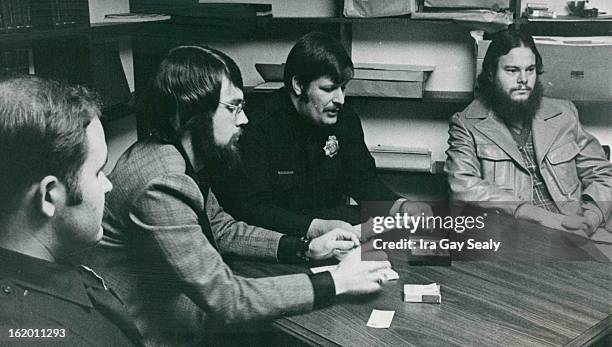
339	231
582	224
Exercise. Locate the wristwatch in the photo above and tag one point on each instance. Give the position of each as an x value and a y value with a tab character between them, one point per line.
303	247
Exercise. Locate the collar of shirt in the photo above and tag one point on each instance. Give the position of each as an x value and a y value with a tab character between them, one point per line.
58	280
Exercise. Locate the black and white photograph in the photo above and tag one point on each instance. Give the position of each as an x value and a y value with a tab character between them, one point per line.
305	173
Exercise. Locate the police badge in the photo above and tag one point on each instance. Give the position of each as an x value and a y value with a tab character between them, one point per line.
331	146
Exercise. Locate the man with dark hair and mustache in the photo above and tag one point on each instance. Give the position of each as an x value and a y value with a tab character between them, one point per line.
527	155
304	151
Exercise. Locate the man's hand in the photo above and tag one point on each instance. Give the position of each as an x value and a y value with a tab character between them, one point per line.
333	243
319	227
577	225
574	223
353	276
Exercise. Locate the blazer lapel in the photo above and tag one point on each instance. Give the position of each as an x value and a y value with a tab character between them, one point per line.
545	131
493	128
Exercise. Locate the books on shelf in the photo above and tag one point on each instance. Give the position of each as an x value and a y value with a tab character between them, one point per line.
25	15
15	16
69	12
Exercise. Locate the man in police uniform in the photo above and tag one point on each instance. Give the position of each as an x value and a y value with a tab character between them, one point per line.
52	151
304	152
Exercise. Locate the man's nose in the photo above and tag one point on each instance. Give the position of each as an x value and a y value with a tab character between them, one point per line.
241	118
522	77
338	97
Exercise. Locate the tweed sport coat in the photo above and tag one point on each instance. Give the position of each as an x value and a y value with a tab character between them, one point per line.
170	276
484	163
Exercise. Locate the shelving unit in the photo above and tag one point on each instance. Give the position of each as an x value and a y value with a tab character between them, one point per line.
166	34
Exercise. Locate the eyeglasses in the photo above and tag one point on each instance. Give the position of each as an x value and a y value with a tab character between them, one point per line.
236	109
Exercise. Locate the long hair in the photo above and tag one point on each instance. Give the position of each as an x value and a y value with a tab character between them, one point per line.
186	89
502	43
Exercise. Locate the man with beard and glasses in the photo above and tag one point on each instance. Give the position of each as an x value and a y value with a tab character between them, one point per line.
304	152
164	232
527	155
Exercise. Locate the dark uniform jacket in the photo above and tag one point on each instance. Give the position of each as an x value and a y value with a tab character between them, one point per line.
60	304
289	178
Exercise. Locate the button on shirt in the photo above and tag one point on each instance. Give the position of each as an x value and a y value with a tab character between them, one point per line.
38	294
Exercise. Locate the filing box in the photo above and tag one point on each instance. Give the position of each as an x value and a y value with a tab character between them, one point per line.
576	68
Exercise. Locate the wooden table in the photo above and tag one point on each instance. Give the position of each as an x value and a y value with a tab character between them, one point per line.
561	295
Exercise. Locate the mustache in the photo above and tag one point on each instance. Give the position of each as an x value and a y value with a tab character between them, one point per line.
237	135
333	109
521	88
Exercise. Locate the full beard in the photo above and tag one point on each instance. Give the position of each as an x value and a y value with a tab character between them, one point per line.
217	159
515	112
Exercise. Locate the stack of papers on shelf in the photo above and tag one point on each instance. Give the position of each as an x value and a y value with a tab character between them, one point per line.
428	293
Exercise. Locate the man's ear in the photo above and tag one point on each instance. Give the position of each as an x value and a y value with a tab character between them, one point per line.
50	195
297	86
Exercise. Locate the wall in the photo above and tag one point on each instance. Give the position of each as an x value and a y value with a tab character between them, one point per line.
412	123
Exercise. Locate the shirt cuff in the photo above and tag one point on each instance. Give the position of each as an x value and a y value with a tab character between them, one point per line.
287	251
323	287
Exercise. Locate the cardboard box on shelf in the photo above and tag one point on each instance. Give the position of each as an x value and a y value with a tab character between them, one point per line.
402	158
388	80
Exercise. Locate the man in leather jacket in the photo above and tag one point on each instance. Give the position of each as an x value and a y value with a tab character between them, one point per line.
524	154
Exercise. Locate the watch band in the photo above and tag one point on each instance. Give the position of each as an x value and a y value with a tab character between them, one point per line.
303	247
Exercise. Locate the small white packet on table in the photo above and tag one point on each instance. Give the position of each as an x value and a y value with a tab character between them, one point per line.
428	293
380	319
